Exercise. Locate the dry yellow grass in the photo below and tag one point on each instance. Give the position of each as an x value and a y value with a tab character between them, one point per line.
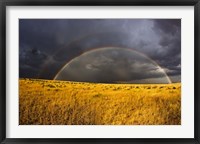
43	102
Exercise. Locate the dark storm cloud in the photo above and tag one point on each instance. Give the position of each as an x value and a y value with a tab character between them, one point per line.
30	61
46	45
169	53
170	26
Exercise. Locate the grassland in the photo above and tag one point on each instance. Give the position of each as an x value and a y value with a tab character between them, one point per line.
43	102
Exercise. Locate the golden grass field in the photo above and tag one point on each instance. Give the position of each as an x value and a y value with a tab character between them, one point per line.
51	102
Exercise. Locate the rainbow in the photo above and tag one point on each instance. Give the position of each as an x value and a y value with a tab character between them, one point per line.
103	48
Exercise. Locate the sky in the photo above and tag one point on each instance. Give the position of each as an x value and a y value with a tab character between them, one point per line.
101	50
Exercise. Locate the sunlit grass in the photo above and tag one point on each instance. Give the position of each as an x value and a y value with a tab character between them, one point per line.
43	102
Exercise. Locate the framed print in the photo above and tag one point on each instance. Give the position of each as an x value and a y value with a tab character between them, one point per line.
99	72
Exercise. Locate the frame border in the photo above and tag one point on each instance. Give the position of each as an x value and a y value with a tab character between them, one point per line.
4	3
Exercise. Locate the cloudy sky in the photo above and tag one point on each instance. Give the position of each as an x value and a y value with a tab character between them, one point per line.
102	50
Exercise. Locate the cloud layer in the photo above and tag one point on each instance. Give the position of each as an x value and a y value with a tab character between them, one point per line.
45	46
